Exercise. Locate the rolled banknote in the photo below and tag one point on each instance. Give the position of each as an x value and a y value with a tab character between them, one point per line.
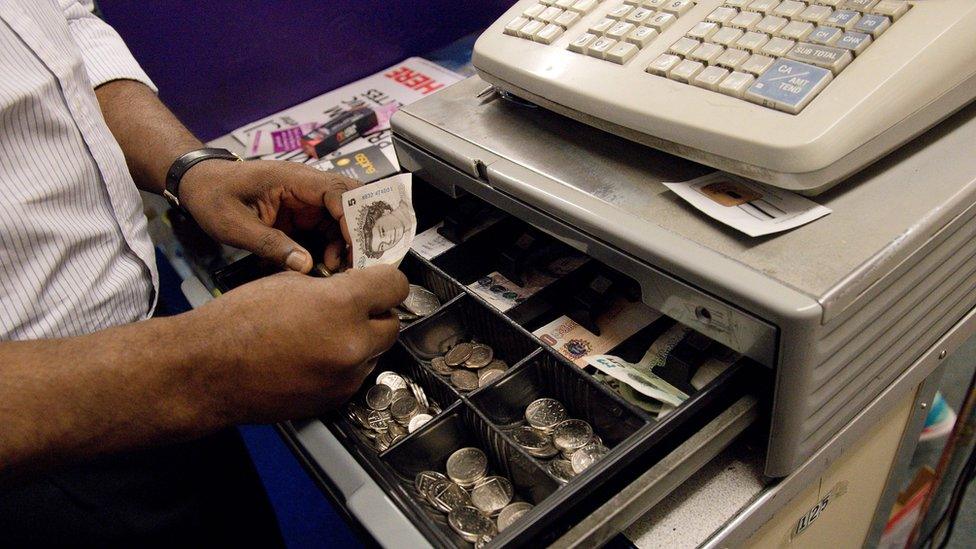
647	383
381	221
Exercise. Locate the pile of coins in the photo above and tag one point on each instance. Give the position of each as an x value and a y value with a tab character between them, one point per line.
419	303
550	433
478	505
469	366
395	407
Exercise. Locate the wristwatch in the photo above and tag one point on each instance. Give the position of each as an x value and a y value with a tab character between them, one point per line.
182	164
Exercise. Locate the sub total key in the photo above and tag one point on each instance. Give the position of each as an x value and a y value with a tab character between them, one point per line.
826	57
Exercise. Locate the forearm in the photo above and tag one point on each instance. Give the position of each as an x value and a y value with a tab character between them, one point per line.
62	400
150	135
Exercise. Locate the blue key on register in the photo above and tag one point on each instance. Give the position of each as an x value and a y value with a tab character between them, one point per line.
788	85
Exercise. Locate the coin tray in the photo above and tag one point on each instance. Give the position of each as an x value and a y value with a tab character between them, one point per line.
398	360
462	427
424	274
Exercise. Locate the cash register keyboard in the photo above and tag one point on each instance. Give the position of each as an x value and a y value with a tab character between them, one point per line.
778	54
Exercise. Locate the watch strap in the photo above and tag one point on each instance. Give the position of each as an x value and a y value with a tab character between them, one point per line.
186	161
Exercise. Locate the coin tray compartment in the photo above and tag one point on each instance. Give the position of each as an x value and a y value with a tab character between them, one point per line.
398	360
424	274
467	319
428	449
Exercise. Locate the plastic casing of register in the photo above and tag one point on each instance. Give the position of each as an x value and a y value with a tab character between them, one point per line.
918	72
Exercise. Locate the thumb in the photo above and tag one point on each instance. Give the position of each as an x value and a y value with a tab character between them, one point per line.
274	245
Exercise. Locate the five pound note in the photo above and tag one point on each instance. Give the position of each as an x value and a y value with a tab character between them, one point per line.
381	221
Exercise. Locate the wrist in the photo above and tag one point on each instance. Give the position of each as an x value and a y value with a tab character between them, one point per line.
179	170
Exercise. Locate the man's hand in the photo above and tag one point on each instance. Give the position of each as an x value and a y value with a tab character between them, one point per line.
255	206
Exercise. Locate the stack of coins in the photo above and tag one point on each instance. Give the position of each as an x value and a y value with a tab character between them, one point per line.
469	366
395	406
419	303
550	434
478	505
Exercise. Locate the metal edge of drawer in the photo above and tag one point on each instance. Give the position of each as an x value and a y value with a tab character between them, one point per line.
647	490
713	317
359	498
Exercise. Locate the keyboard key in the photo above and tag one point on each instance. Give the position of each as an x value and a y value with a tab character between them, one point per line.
685	70
737	3
788	85
642	36
815	13
736	84
639	15
858	5
751	41
547	2
732	58
529	29
564	4
706	53
757	64
771	24
533	11
872	24
825	57
892	8
831	3
684	46
514	25
620	30
663	64
661	21
857	42
722	15
633	2
584	6
777	47
726	36
582	42
602	25
678	7
763	6
599	47
655	4
703	30
825	36
843	19
620	11
789	8
796	30
548	34
709	78
621	53
550	14
567	19
746	20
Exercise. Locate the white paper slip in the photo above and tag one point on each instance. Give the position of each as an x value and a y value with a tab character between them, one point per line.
430	243
381	221
747	206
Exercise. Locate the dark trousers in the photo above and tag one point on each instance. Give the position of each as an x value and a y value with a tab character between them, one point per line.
194	494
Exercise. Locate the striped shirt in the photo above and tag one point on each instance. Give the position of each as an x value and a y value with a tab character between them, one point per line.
75	254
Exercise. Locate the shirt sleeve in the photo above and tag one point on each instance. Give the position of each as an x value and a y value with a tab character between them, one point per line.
105	54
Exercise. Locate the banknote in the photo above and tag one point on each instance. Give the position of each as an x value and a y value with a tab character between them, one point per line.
381	221
647	383
573	341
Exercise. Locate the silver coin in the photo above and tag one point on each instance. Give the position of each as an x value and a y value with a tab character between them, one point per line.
483	541
458	354
587	456
378	397
392	380
400	393
418	421
440	366
379	421
425	479
419	394
545	413
511	513
534	441
421	301
397	431
405	407
492	494
481	355
597	440
498	364
571	435
358	414
383	441
464	380
467	466
404	315
471	524
488	375
370	434
448	496
561	469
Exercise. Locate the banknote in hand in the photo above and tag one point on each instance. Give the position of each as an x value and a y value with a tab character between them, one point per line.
381	221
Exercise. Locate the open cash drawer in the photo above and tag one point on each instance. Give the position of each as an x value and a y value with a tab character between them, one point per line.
375	487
